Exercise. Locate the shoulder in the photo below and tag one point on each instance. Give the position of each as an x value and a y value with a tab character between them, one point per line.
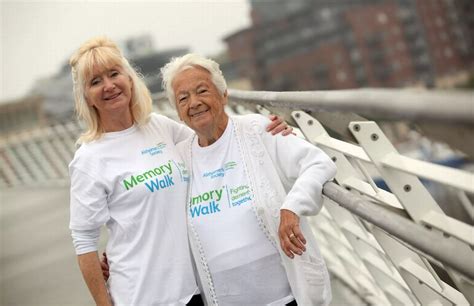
167	122
87	149
249	118
85	155
186	142
157	118
184	148
252	121
161	123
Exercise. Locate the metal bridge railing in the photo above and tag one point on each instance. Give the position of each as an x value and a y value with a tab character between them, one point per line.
410	104
393	246
39	157
397	246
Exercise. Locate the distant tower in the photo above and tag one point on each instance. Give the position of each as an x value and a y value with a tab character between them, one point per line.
138	46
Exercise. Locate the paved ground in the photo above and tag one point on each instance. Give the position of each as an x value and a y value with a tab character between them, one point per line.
38	265
37	262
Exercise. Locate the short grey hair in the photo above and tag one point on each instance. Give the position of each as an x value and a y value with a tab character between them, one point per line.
190	60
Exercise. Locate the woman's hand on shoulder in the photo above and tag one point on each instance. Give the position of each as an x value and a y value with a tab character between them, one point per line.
278	125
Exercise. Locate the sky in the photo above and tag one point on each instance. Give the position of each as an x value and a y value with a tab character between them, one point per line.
38	36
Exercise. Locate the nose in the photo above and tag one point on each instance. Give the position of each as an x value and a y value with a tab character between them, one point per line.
195	102
108	84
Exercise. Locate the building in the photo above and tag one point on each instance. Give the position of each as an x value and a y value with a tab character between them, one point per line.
446	27
149	66
21	115
314	44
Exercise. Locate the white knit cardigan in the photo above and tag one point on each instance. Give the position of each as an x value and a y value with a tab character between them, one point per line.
283	172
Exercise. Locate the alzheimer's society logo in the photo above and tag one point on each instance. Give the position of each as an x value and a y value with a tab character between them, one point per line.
220	172
158	149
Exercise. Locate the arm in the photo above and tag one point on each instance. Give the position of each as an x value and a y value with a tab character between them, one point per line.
85	243
89	211
179	131
303	168
92	273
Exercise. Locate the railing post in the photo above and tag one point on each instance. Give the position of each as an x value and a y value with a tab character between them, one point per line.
418	203
394	289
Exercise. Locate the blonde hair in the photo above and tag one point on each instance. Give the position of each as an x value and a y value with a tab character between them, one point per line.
103	53
190	60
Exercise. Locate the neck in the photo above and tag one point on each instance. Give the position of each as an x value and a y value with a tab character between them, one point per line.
207	138
117	123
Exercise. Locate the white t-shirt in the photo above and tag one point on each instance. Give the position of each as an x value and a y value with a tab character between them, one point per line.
245	266
135	182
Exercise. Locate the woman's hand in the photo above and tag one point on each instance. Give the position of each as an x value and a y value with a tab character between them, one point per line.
292	240
104	265
278	125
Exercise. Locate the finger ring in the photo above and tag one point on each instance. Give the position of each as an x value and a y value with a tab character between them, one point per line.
291	236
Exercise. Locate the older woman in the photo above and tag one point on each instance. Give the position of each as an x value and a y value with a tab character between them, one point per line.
247	192
127	174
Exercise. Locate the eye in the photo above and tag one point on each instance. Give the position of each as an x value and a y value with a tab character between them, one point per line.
114	73
202	90
182	99
95	81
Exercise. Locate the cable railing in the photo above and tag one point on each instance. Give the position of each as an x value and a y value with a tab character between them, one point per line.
391	246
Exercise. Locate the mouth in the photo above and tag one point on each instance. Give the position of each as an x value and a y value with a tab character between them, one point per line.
112	96
198	113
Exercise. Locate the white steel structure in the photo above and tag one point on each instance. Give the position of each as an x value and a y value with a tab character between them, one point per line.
392	248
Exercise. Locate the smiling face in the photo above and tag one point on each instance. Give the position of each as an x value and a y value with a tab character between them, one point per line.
109	90
199	103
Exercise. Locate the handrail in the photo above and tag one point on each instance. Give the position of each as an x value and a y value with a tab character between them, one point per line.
434	105
446	175
404	229
461	180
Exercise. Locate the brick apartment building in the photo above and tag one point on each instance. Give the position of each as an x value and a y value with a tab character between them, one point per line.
314	44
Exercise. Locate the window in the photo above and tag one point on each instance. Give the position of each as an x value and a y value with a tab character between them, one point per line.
326	13
337	58
382	18
355	56
448	53
395	30
443	36
439	22
396	65
400	46
341	76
